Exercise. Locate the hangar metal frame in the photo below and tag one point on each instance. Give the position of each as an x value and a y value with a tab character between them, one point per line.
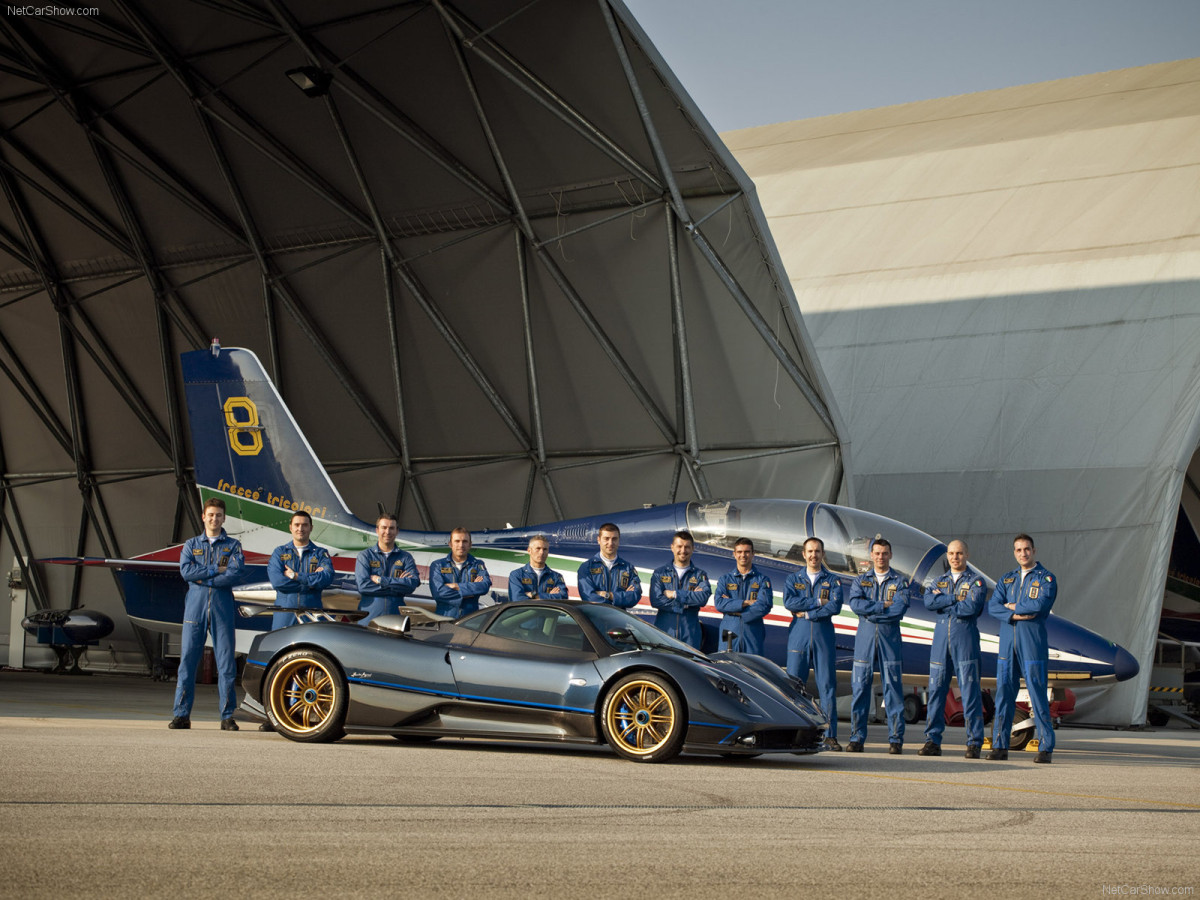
118	196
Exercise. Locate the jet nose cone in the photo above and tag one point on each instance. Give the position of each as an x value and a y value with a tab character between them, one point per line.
1124	665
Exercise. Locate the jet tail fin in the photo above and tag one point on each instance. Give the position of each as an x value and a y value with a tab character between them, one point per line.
249	451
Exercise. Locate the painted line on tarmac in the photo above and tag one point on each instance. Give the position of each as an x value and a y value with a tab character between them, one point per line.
593	807
1018	790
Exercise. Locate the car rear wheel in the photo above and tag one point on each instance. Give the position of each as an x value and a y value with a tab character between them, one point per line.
643	718
307	697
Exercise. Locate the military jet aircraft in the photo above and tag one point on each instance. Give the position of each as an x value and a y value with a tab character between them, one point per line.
250	452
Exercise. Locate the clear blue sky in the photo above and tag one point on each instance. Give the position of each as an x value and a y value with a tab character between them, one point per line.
754	62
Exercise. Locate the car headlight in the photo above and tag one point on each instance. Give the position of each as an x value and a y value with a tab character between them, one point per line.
730	688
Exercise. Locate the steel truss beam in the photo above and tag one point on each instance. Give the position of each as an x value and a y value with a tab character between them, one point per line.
238	252
179	70
552	267
735	289
541	93
94	510
18	538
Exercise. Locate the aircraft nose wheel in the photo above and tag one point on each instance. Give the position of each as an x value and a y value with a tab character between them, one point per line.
1019	739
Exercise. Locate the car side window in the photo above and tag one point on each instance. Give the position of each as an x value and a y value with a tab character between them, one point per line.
473	622
539	625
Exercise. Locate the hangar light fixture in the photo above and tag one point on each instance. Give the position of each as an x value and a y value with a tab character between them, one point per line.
312	80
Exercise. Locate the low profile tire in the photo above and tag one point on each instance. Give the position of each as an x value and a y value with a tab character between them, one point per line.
643	718
307	697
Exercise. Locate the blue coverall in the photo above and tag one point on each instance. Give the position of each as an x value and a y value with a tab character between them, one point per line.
746	622
473	582
878	645
811	638
679	616
208	608
314	572
621	581
957	601
549	585
398	577
1024	650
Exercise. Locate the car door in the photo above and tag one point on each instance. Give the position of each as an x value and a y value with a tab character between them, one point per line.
536	657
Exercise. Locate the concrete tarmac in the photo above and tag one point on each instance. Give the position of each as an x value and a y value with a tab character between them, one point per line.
99	799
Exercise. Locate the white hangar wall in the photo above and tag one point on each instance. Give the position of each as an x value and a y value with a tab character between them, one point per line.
1004	293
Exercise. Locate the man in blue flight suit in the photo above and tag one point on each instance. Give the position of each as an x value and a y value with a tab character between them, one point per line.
458	581
211	564
879	599
606	578
745	596
384	573
535	580
1021	603
957	598
678	590
299	571
814	597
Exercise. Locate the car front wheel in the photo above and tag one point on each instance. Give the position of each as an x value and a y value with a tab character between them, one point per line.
643	718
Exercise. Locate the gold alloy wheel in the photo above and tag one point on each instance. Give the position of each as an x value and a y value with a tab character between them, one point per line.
303	694
641	716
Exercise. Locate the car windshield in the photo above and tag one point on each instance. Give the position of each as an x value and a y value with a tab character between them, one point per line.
642	635
779	528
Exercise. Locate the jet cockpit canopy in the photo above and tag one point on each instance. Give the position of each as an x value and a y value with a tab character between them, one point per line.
780	527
